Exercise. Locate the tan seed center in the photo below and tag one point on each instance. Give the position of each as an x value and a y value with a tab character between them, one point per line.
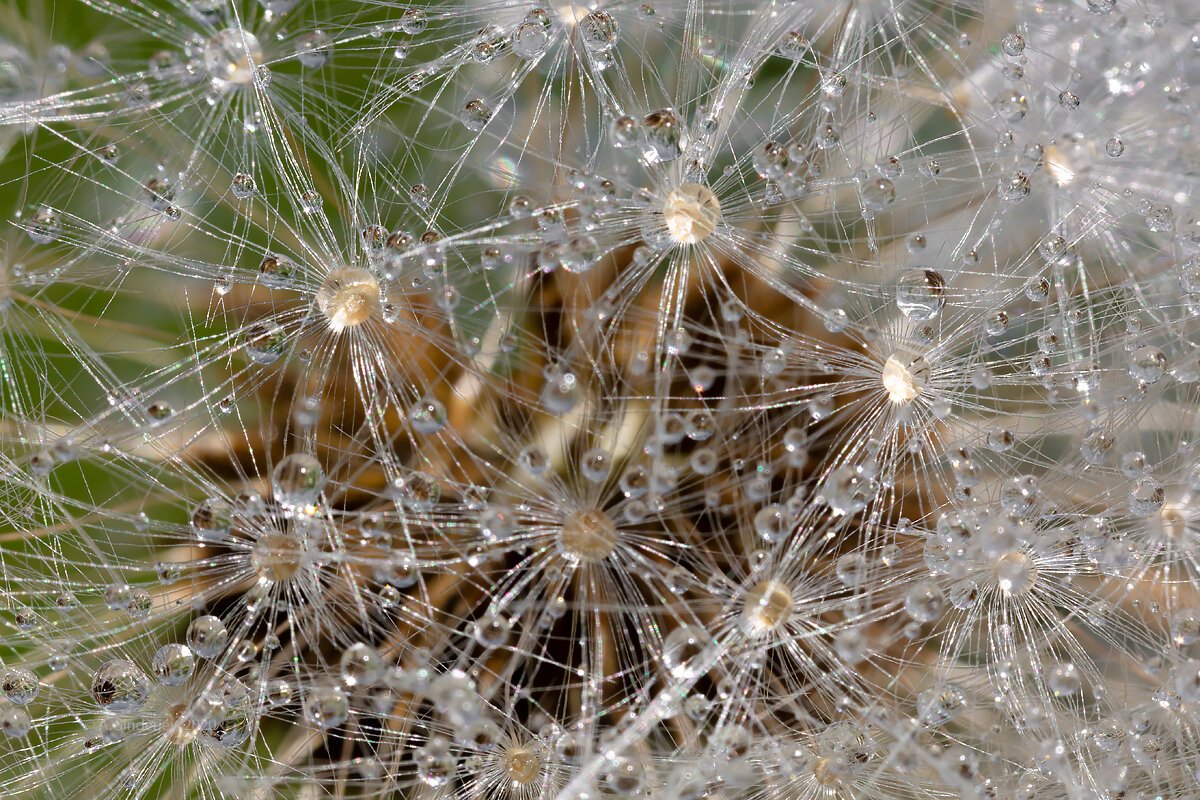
588	536
348	297
691	213
768	605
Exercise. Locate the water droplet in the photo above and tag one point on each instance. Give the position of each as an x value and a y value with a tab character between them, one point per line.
531	40
15	722
1147	364
427	415
878	194
242	186
520	207
207	636
579	254
561	392
940	704
44	226
771	160
924	601
140	603
921	294
491	630
833	84
159	412
662	134
1096	445
360	665
1016	573
625	776
1037	289
534	459
497	522
109	154
1000	440
326	707
848	489
1185	626
265	342
19	686
435	762
683	651
623	132
1011	106
278	692
297	481
211	520
1014	187
595	464
476	114
1013	44
1019	494
772	523
1146	497
310	202
313	49
1064	680
599	31
413	22
173	664
277	271
996	324
120	686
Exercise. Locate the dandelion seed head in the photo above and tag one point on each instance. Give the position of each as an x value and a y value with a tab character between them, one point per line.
799	396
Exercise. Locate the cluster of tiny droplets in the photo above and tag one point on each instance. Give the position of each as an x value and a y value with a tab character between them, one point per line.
612	400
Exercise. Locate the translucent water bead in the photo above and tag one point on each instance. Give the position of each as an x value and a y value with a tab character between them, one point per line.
120	686
921	294
297	481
